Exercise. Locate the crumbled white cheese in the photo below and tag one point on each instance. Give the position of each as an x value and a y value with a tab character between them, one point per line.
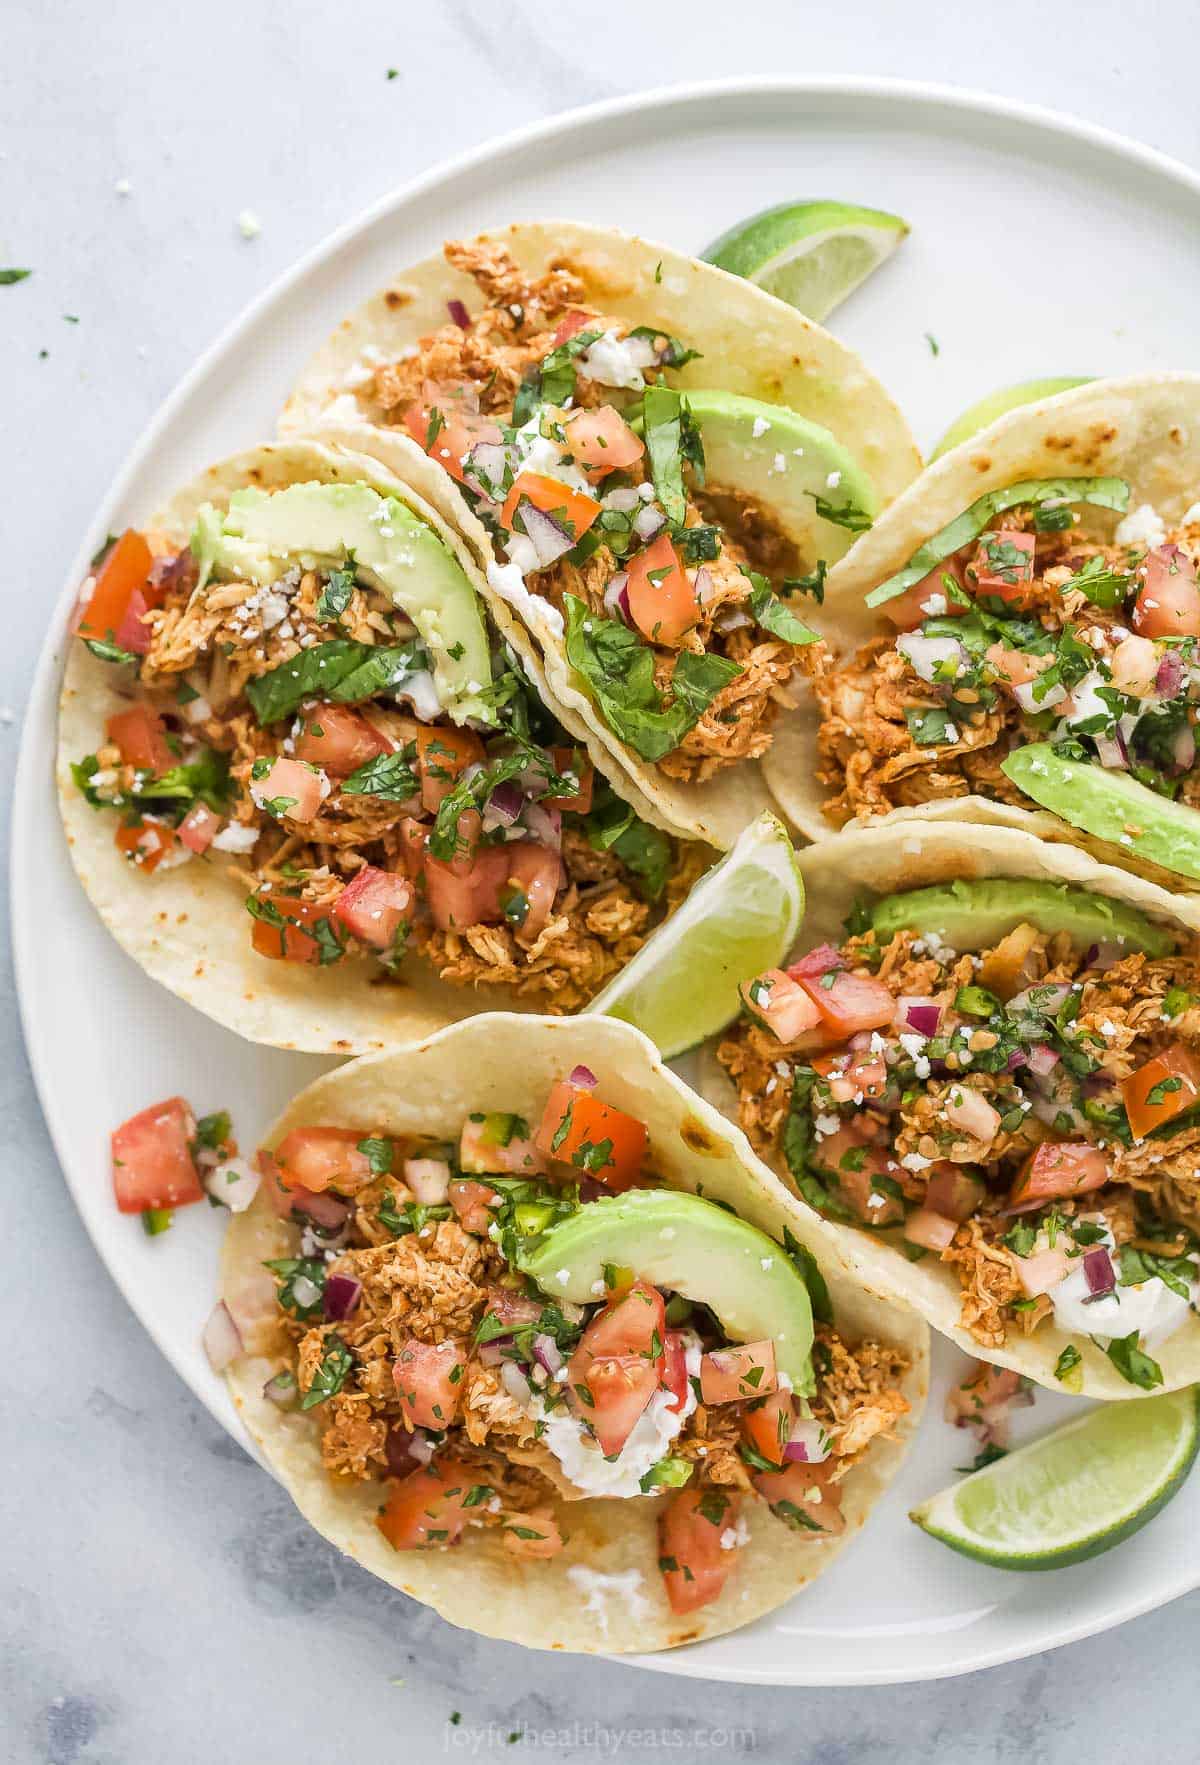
1143	526
596	1588
759	428
235	838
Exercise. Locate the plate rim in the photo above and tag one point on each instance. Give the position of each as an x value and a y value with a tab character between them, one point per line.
39	715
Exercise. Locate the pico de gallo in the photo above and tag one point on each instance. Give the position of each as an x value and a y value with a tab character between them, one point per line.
294	731
673	602
1021	652
475	1396
1028	1113
167	1157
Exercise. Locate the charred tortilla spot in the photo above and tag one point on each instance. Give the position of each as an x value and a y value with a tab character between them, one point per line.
697	1138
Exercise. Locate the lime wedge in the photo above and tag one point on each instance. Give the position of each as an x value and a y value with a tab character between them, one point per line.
811	254
1076	1492
740	918
996	404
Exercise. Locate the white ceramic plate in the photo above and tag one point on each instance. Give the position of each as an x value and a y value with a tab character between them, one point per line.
1019	218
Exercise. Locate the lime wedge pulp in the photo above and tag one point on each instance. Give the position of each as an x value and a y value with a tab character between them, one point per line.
998	404
1074	1493
811	254
740	918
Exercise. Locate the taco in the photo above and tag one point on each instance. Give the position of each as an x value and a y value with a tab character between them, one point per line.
983	1062
1022	628
524	1327
653	460
310	786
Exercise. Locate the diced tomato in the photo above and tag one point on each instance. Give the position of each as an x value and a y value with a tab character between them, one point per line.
428	1507
986	1388
111	613
413	835
1016	667
848	1002
152	1164
1058	1169
533	875
636	1323
742	1371
442	755
780	1004
816	962
953	1191
852	1078
603	1142
141	735
325	1210
534	1535
573	510
694	1565
1168	603
339	740
857	1166
1161	1089
575	762
601	442
514	1309
289	942
314	1158
428	1380
293	789
1003	564
146	843
466	890
473	1203
442	425
492	1143
199	828
619	1386
571	326
674	1374
767	1425
911	609
374	905
662	601
804	1496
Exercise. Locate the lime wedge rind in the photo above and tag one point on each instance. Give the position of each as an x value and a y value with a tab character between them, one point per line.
810	254
740	918
1076	1492
997	404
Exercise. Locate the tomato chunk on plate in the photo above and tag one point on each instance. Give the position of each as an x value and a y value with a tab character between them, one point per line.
339	740
573	510
1003	564
693	1563
601	442
1168	603
617	1389
768	1424
290	940
152	1162
804	1496
146	843
734	1375
442	755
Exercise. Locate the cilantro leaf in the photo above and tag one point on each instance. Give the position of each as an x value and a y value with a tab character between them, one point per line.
341	670
330	1376
1132	1364
775	615
389	776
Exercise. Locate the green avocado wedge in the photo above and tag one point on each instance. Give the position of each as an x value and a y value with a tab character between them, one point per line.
1075	1493
1110	806
976	915
998	404
690	1246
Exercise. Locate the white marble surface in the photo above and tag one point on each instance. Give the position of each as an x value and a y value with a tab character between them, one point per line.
158	1599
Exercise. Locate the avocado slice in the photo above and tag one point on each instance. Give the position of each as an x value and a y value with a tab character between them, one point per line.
1110	806
976	915
768	454
692	1247
264	534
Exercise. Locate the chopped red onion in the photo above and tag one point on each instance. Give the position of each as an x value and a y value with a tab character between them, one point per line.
505	802
406	1451
702	586
459	314
282	1390
1042	1059
327	1211
584	1078
616	597
1098	1271
486	465
342	1294
429	1179
728	618
546	1352
1112	752
1183	750
1169	678
490	1353
515	1383
544	824
808	1442
221	1338
591	1190
923	1018
648	521
549	541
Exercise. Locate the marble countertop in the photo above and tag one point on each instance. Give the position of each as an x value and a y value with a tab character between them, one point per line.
159	1598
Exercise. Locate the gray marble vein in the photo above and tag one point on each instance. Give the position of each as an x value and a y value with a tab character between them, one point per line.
159	1599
